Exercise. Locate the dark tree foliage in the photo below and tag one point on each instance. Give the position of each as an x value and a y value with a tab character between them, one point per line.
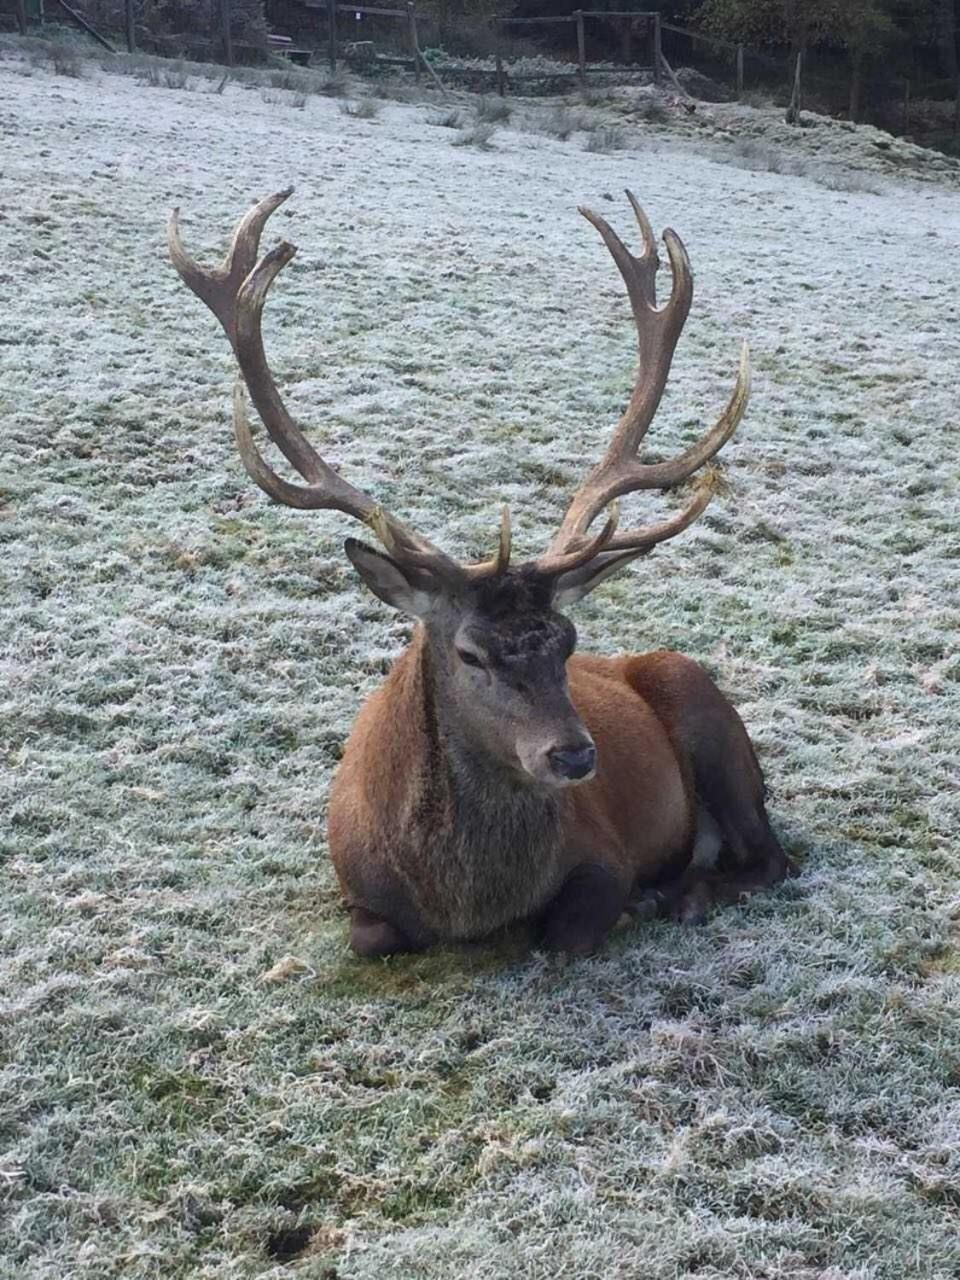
179	17
883	42
862	28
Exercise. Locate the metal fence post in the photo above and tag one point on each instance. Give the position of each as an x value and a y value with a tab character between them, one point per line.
501	83
657	50
739	71
131	32
332	33
581	48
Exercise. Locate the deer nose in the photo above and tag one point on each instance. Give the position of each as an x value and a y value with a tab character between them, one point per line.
573	762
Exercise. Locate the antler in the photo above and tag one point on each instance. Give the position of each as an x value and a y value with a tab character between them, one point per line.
620	471
236	292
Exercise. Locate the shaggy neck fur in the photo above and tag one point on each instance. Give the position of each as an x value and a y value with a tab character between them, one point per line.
479	848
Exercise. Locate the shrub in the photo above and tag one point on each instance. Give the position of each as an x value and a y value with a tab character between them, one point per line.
478	136
607	138
493	110
159	76
594	97
749	153
451	119
365	109
334	85
652	110
757	99
854	180
66	61
293	81
561	122
284	98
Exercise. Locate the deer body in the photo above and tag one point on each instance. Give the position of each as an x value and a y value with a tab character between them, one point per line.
447	847
496	776
476	847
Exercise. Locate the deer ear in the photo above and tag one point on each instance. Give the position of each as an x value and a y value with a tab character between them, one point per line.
393	585
573	586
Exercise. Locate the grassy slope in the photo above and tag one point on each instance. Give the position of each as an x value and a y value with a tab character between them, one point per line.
772	1096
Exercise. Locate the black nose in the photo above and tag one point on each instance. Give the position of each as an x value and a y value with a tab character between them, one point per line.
573	762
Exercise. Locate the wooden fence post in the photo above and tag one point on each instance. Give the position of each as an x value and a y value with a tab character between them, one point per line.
414	42
793	110
332	34
657	50
22	16
131	31
581	49
501	81
739	71
226	35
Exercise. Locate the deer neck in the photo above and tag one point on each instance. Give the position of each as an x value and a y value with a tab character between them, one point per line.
483	846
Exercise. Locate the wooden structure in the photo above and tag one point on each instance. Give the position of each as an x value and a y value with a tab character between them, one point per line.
651	21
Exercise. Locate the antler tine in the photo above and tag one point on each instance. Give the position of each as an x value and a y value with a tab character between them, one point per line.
501	561
218	286
639	274
236	292
585	549
620	472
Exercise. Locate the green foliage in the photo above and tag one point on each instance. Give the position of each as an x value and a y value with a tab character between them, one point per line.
864	25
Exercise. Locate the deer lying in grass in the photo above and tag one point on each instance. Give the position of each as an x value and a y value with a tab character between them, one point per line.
496	776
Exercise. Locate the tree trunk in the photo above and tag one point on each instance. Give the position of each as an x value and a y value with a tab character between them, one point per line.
947	21
856	83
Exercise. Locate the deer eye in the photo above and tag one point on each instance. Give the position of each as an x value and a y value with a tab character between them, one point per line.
469	657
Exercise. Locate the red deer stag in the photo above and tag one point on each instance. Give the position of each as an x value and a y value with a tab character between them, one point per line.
495	776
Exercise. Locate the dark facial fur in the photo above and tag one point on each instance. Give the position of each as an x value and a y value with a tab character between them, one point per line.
514	621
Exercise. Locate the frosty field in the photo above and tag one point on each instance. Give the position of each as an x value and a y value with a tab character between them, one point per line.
196	1077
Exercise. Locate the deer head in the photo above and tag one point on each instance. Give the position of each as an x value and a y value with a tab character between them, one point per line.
497	641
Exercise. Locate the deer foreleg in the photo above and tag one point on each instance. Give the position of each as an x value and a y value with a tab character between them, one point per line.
585	910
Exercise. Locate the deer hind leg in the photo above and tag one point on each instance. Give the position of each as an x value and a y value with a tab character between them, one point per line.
732	816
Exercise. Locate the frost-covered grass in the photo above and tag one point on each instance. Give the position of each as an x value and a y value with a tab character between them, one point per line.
196	1078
